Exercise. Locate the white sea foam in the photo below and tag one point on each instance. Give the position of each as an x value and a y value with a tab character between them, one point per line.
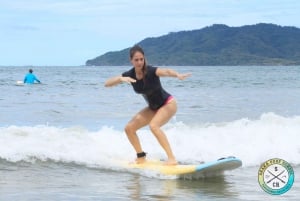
253	141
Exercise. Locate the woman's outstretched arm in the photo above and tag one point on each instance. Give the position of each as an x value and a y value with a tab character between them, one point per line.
117	80
161	72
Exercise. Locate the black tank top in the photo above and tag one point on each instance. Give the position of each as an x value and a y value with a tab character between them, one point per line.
150	87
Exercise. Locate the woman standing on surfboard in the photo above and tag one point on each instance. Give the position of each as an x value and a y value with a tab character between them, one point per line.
161	105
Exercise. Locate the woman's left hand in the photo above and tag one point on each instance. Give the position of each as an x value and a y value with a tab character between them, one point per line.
183	76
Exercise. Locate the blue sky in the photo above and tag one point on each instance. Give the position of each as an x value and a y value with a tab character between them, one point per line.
69	32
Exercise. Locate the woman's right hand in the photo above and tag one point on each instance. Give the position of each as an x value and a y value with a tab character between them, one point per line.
129	80
117	80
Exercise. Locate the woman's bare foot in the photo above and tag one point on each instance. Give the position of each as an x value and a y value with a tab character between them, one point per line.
140	160
141	157
170	162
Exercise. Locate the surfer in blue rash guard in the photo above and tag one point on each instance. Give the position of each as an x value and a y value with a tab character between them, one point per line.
30	78
161	105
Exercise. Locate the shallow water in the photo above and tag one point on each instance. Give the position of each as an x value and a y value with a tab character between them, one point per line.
68	181
60	140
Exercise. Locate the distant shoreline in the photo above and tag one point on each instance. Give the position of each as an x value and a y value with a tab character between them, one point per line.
258	45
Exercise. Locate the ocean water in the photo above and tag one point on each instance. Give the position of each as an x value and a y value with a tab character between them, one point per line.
64	139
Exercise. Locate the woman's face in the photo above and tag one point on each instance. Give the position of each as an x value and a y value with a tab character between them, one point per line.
138	60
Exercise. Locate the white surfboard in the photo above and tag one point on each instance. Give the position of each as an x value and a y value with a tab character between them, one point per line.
20	83
191	171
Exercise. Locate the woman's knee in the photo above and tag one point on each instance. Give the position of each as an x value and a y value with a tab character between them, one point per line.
130	128
154	127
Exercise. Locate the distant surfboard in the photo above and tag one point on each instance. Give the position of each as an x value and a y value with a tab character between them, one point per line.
191	171
20	83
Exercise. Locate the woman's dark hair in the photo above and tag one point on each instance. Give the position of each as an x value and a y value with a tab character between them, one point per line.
133	50
30	70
